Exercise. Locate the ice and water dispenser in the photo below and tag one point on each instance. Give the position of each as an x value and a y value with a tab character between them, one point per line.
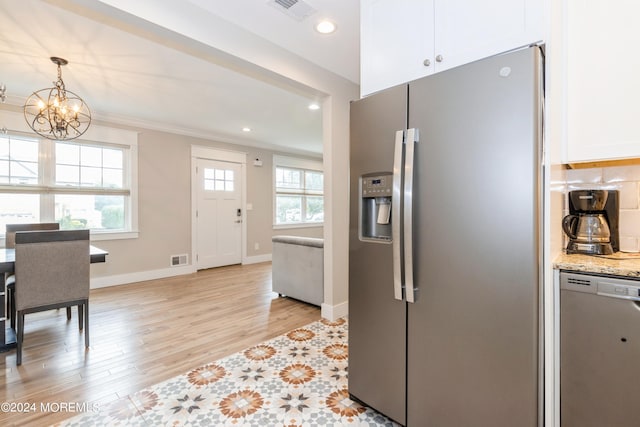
375	207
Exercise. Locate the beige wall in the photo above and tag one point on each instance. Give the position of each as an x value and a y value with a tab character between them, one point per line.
260	195
164	206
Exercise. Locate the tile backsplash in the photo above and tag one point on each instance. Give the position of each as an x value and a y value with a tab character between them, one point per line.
625	179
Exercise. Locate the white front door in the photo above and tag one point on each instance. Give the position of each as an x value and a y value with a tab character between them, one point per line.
218	213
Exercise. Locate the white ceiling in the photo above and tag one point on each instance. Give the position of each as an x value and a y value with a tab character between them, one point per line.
127	78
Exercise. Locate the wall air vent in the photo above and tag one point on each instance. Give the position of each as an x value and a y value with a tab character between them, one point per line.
296	9
177	260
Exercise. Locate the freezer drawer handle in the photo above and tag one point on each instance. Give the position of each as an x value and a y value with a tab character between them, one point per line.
395	215
410	143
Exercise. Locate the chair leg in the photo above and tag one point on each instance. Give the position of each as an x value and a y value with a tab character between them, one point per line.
86	324
68	313
12	310
19	338
7	290
80	312
9	309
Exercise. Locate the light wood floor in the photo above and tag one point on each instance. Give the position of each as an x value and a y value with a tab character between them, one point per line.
142	334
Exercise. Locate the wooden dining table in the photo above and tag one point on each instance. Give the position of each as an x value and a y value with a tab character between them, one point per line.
7	265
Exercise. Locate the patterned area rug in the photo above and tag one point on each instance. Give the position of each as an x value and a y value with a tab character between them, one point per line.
296	379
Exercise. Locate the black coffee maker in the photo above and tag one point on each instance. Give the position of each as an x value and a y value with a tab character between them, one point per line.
592	223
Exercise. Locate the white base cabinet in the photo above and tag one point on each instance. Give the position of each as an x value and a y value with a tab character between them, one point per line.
403	40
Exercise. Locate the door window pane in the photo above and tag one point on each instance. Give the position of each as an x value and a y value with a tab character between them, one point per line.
218	179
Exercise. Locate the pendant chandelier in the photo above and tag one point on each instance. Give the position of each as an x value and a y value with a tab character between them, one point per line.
55	112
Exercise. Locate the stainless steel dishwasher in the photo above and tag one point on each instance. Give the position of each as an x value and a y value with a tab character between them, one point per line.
599	351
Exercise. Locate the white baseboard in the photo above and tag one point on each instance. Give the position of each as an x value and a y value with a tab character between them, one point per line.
123	279
334	312
256	259
140	276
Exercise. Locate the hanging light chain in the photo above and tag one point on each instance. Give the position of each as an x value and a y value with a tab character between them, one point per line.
3	99
60	83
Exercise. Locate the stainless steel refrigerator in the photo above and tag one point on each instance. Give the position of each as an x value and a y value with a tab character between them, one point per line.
445	246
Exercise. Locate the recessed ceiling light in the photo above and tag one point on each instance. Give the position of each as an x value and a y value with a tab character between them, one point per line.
314	106
325	27
246	129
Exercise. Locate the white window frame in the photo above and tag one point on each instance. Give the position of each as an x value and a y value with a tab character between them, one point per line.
294	163
95	136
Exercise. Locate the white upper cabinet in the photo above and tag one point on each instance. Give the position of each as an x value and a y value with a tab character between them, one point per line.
602	80
402	40
466	31
396	38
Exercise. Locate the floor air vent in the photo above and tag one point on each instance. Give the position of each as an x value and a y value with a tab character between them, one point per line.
296	9
177	260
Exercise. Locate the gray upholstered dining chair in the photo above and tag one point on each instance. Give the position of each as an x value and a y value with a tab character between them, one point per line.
9	278
52	271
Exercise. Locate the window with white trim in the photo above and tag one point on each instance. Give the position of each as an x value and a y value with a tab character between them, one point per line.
299	191
80	184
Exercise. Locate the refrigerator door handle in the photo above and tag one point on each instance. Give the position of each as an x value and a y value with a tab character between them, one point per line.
395	215
410	143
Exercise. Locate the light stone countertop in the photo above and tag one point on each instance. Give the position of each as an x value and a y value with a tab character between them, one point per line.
618	264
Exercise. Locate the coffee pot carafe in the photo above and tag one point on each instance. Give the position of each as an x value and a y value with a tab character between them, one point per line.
592	215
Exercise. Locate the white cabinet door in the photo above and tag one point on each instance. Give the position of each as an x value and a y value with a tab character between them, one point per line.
603	80
398	36
395	40
466	31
